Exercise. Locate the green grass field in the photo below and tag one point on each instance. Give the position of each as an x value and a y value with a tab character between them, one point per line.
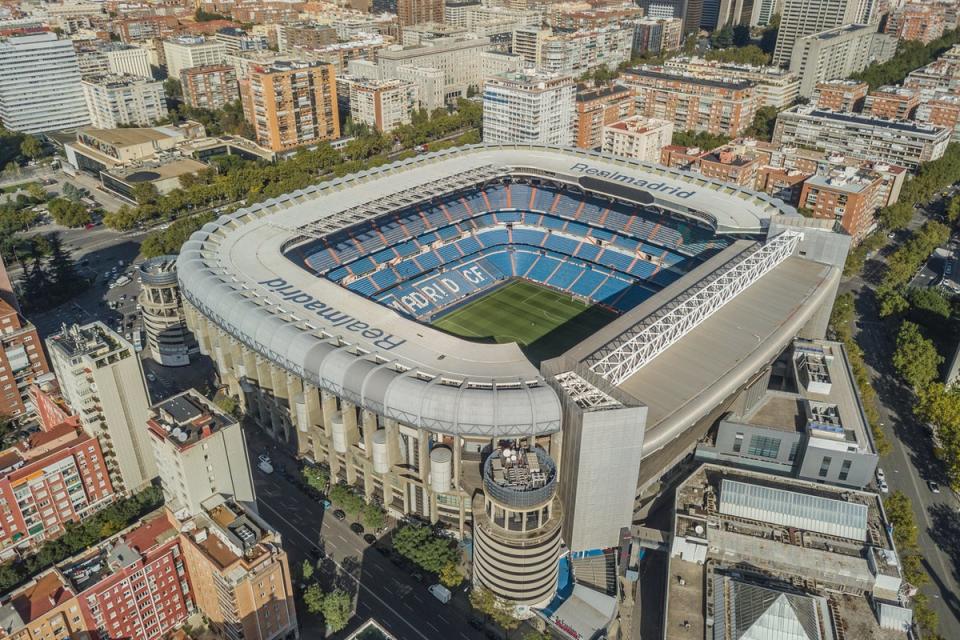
544	322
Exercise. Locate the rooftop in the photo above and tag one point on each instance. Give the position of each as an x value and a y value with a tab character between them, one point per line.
656	72
187	418
94	339
906	126
228	533
158	170
33	601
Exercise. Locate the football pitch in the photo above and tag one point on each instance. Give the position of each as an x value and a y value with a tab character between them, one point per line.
544	322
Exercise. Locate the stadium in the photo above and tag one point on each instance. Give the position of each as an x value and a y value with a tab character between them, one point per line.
506	339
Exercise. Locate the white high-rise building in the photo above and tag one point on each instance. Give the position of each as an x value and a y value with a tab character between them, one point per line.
637	137
802	17
101	378
185	52
115	101
529	107
458	59
200	453
382	104
40	84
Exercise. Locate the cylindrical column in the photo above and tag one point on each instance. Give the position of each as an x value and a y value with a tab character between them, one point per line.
381	459
441	469
338	433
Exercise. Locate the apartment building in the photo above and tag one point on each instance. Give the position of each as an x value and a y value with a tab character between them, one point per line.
413	12
893	103
850	196
598	107
135	584
118	101
906	144
45	607
22	361
240	573
102	380
55	477
457	58
292	104
847	96
804	17
729	166
308	35
657	35
382	104
96	57
40	84
943	73
145	28
529	107
785	184
694	104
775	86
235	40
200	453
497	62
210	86
577	52
637	137
917	22
572	16
942	109
838	53
185	52
680	157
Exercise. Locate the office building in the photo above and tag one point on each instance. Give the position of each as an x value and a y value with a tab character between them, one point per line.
167	337
40	84
780	558
457	58
893	103
846	96
200	453
600	106
117	101
209	87
240	573
637	137
529	107
775	86
657	35
55	477
185	52
802	18
135	584
837	53
382	104
292	104
906	144
413	12
694	104
916	22
22	361
97	150
97	58
942	109
102	379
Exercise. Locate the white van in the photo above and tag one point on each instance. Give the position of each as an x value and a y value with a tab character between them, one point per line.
440	592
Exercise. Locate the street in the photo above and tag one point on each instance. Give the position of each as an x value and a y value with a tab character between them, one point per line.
387	593
911	462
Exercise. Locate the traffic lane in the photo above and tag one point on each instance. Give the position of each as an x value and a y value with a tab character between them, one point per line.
402	604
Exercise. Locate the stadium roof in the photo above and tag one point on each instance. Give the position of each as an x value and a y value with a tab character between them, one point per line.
792	509
234	270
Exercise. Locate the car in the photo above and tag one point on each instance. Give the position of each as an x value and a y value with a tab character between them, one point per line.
339	514
263	458
151	377
326	504
357	528
881	476
933	486
369	538
883	487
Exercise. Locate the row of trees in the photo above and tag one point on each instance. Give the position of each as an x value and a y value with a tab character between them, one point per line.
700	139
903	264
18	148
336	605
910	55
900	515
345	497
81	535
50	275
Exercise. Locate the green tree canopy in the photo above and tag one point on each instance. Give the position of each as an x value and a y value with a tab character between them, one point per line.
425	549
750	54
69	214
916	358
337	609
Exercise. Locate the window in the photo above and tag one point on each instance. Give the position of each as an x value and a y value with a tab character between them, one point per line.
764	447
825	466
738	443
845	469
793	450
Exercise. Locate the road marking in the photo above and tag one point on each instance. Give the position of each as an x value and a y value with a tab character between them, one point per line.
432	626
360	585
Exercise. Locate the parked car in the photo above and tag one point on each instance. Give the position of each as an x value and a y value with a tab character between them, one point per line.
357	528
881	476
440	592
933	486
882	487
339	514
369	538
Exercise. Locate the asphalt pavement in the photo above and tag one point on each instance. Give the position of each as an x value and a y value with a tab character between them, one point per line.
384	591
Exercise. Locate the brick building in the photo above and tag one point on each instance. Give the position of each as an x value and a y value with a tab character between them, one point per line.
942	110
678	156
849	196
599	106
22	361
730	166
892	103
918	22
694	104
52	478
841	95
210	86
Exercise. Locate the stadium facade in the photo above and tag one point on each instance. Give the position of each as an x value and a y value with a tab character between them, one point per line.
317	309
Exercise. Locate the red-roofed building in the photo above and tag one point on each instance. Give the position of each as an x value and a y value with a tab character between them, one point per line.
46	607
22	360
51	408
57	476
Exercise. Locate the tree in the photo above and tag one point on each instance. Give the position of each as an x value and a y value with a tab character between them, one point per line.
701	139
344	497
752	55
31	147
145	193
306	571
763	123
483	601
36	192
315	477
939	407
337	609
768	39
425	549
450	576
69	214
916	358
900	514
910	55
722	38
172	88
313	598
930	302
374	517
953	209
